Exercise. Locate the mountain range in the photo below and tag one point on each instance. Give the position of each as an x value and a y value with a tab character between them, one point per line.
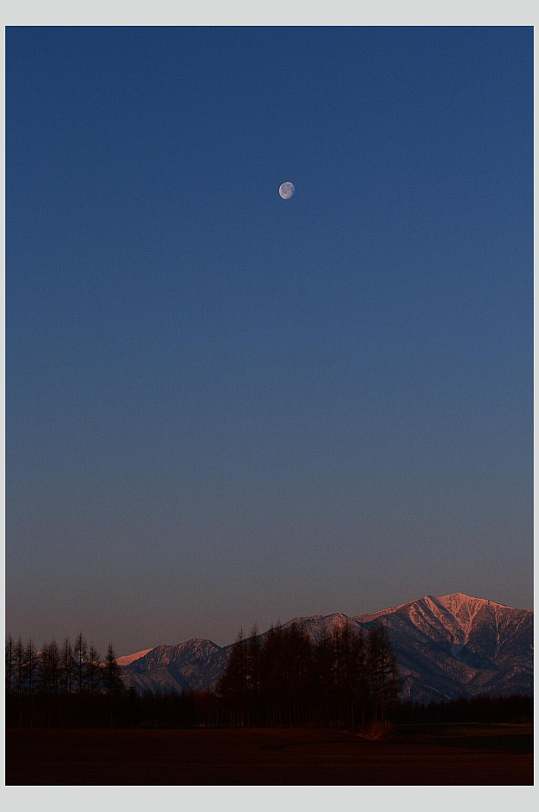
446	647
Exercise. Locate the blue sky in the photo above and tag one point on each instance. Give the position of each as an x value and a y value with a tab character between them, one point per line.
223	407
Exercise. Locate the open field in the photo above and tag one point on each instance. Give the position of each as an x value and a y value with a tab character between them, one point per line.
413	754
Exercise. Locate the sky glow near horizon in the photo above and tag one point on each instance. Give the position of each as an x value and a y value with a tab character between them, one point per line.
222	409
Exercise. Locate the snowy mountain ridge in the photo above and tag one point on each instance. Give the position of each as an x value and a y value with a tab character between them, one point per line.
446	646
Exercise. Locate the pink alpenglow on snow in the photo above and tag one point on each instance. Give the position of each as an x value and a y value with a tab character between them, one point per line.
127	659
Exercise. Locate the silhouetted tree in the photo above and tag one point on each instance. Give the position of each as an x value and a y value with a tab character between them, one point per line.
112	683
93	671
350	679
253	675
80	655
19	666
112	680
232	686
67	667
31	667
324	680
50	668
10	665
383	679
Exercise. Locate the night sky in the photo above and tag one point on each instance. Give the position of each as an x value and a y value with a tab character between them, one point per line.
224	407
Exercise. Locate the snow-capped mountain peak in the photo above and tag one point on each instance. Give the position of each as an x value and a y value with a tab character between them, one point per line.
446	646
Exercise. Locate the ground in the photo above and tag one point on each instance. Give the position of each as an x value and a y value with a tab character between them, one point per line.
412	754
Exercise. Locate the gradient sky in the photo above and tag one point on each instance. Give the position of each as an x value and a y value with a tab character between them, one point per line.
223	407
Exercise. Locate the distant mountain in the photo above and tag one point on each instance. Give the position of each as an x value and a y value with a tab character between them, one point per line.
458	645
446	646
195	664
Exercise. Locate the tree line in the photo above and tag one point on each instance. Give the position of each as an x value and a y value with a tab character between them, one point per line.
484	708
343	678
75	668
61	685
284	677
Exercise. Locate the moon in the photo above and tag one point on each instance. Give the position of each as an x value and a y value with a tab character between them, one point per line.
287	189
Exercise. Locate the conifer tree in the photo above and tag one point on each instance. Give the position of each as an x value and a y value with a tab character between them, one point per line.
112	680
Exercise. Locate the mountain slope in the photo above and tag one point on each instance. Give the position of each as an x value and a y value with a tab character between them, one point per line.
194	664
446	646
455	645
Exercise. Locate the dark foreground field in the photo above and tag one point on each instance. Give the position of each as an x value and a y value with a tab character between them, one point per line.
413	754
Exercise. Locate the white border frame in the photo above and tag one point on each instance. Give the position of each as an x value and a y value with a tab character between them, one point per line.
245	13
